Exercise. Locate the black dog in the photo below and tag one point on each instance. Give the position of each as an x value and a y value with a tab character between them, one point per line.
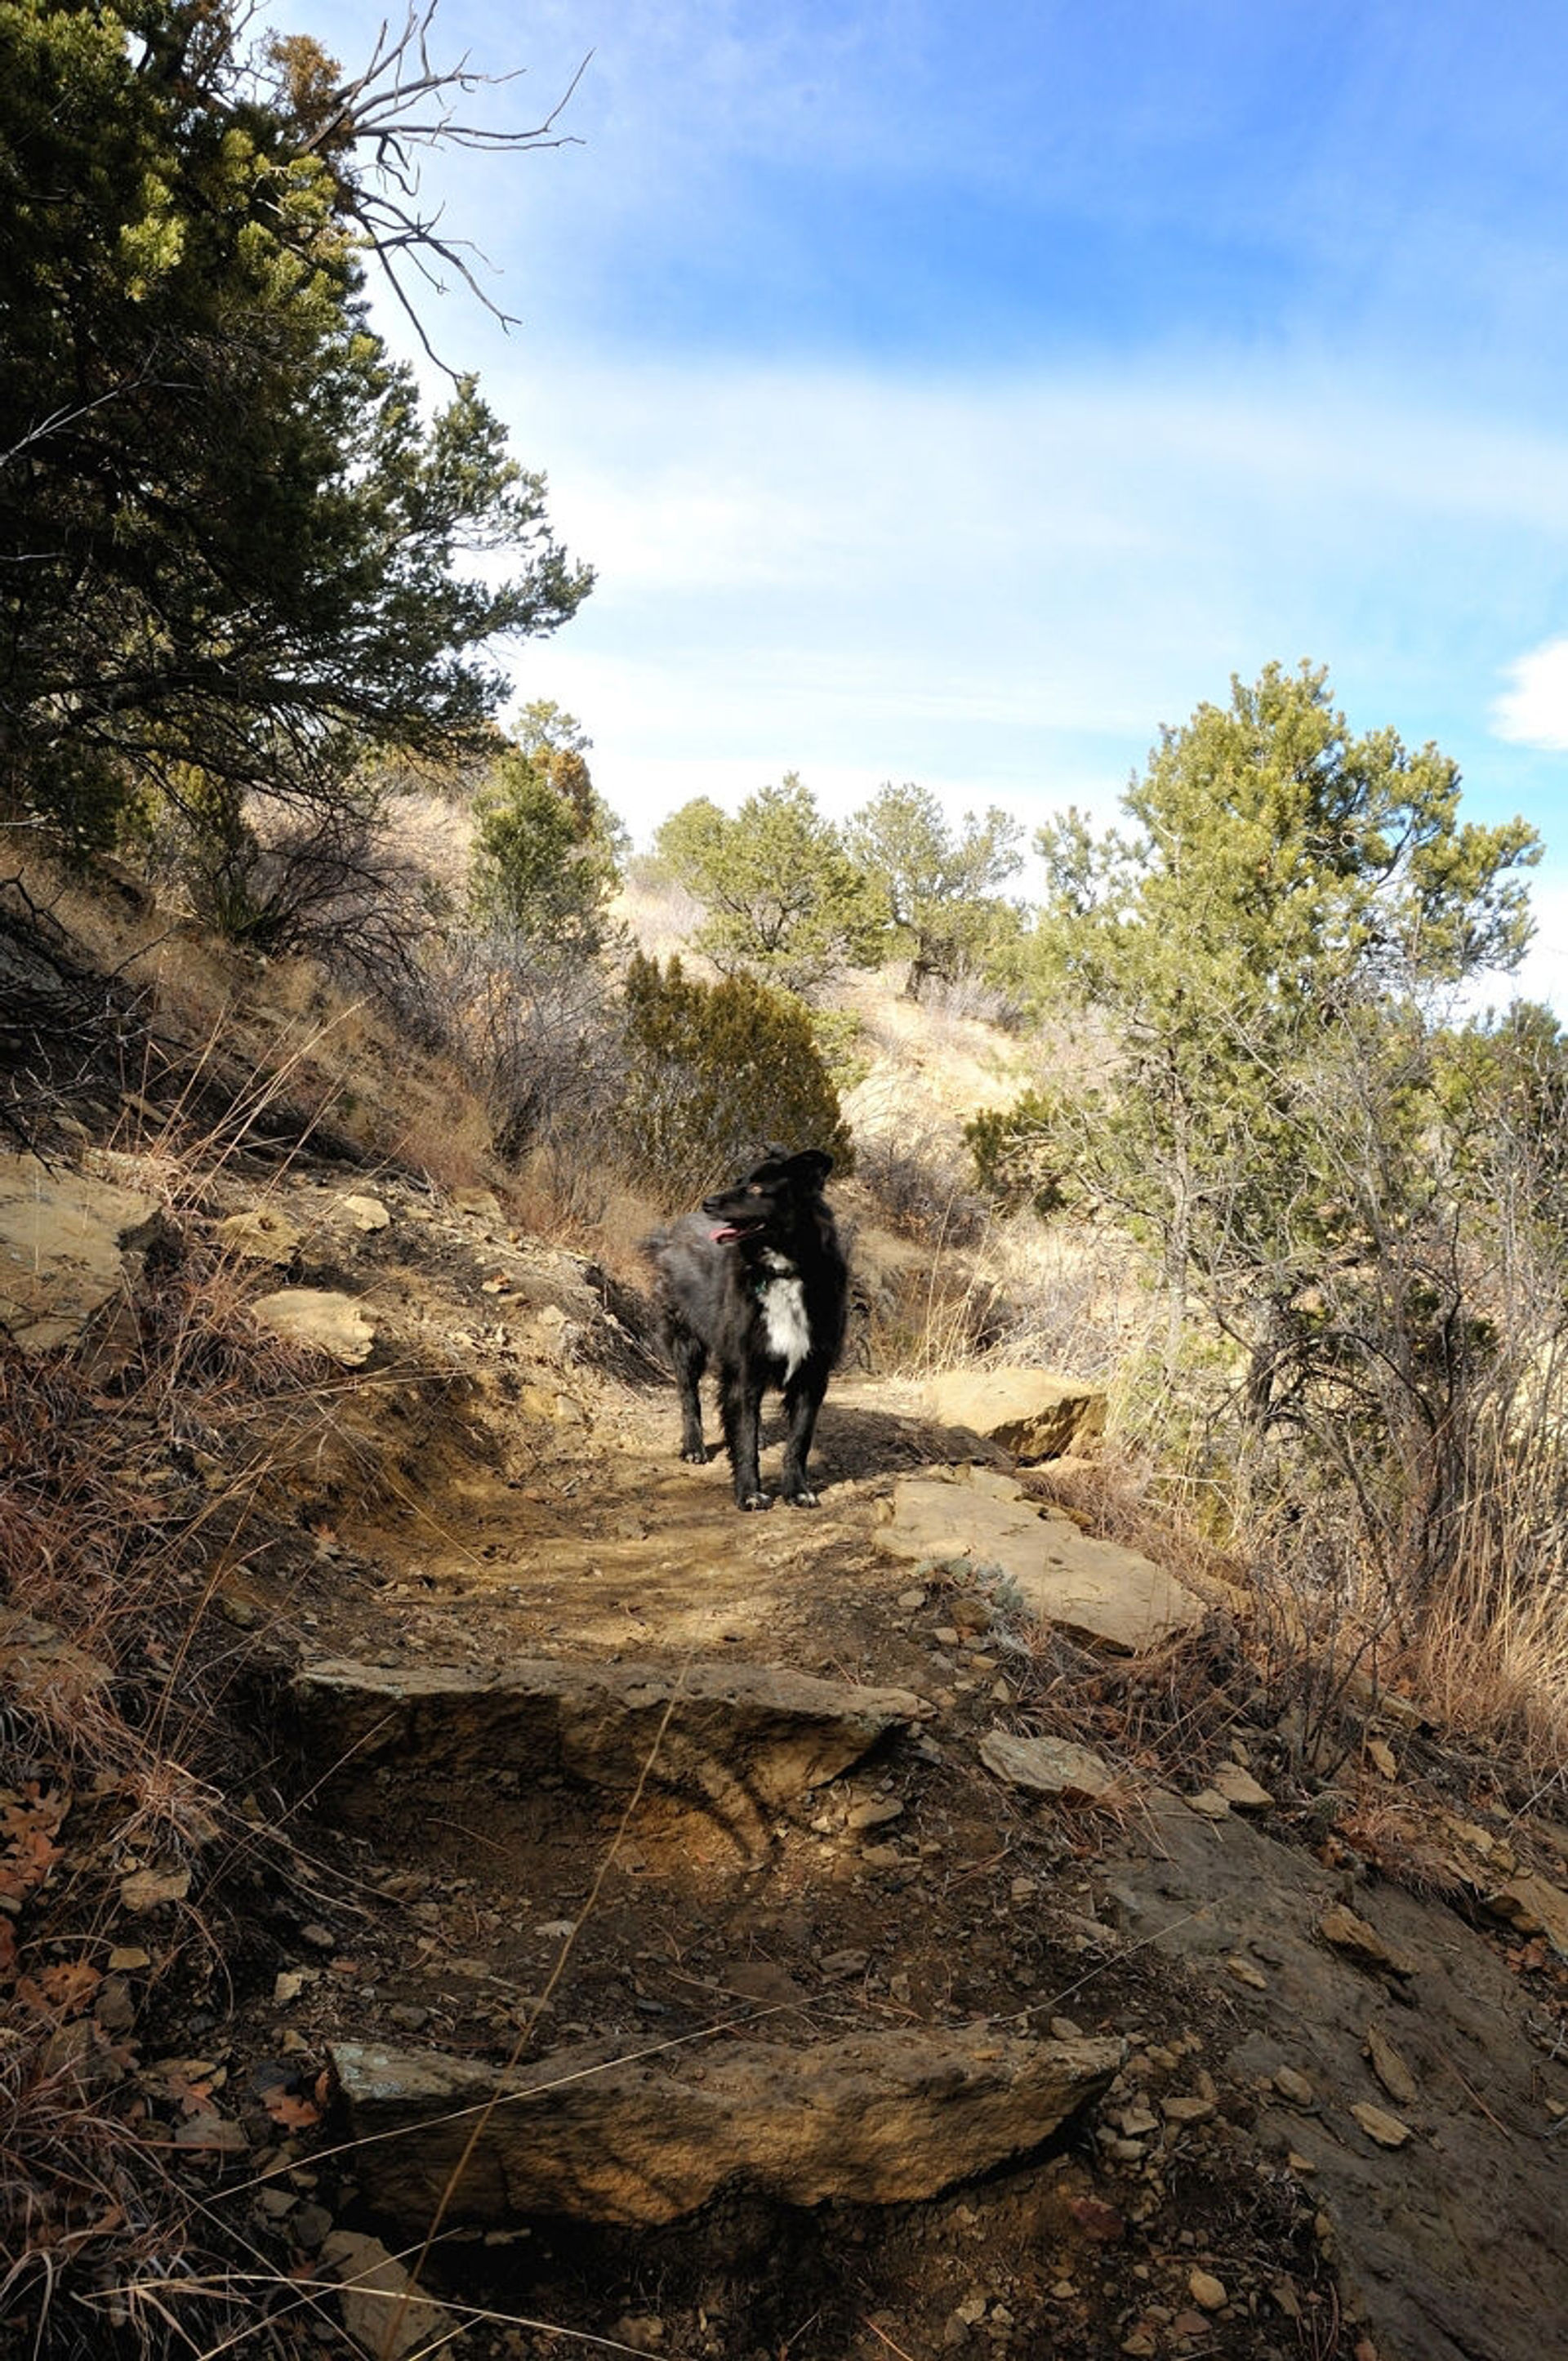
757	1283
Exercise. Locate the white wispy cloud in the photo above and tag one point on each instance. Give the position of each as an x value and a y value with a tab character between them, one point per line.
1533	709
1012	579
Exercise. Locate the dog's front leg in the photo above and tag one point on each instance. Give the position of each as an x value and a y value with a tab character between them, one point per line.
741	1404
803	1400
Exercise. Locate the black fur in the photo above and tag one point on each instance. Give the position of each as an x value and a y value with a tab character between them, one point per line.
757	1283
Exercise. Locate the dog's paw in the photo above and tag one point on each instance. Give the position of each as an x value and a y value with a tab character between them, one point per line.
753	1500
698	1458
802	1497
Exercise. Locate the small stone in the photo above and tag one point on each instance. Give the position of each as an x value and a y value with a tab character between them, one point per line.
1209	1804
1361	1941
1240	1789
1047	1766
1532	1905
259	1234
1208	2293
308	2225
113	2007
126	1956
384	2312
1387	2130
287	1985
1391	2067
365	1212
1294	2086
1189	2323
946	1635
482	1204
321	1318
1187	2110
147	1889
911	1601
1381	1752
876	1813
1245	1973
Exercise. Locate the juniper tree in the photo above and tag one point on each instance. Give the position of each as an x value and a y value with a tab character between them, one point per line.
785	904
1288	899
231	548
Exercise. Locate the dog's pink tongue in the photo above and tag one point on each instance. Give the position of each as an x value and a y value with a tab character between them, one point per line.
722	1237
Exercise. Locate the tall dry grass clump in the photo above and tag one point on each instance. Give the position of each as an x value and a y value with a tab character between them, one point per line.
144	1469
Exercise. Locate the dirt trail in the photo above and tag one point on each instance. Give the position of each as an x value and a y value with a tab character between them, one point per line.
478	1898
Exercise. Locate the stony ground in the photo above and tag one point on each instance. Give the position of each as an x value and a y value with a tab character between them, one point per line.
680	1819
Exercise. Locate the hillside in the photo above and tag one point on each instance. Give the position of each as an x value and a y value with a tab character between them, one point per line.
438	1826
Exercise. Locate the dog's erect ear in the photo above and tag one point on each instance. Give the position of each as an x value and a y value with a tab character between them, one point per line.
813	1165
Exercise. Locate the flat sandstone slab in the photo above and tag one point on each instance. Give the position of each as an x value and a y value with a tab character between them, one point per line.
761	1732
1096	1590
63	1240
880	2119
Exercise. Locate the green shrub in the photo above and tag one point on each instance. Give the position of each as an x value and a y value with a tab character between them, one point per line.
1018	1158
716	1074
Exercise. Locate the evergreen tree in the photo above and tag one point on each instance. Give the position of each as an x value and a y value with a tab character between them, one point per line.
785	904
1294	903
939	887
716	1071
230	548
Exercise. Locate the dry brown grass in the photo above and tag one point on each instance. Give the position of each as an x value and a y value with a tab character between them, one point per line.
138	1486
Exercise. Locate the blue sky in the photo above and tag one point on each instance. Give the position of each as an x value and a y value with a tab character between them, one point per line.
958	395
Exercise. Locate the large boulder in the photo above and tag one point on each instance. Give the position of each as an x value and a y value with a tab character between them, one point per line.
1033	1413
882	2118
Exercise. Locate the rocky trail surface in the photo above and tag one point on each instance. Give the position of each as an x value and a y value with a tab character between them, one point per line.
905	1927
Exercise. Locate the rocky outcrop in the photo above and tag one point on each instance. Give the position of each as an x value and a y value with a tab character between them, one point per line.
1033	1413
736	1736
882	2118
1095	1590
1446	2219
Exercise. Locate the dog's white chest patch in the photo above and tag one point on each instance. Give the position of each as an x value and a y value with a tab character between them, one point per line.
784	1315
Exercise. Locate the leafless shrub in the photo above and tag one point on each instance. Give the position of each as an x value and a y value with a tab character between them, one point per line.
972	998
541	1036
919	1184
